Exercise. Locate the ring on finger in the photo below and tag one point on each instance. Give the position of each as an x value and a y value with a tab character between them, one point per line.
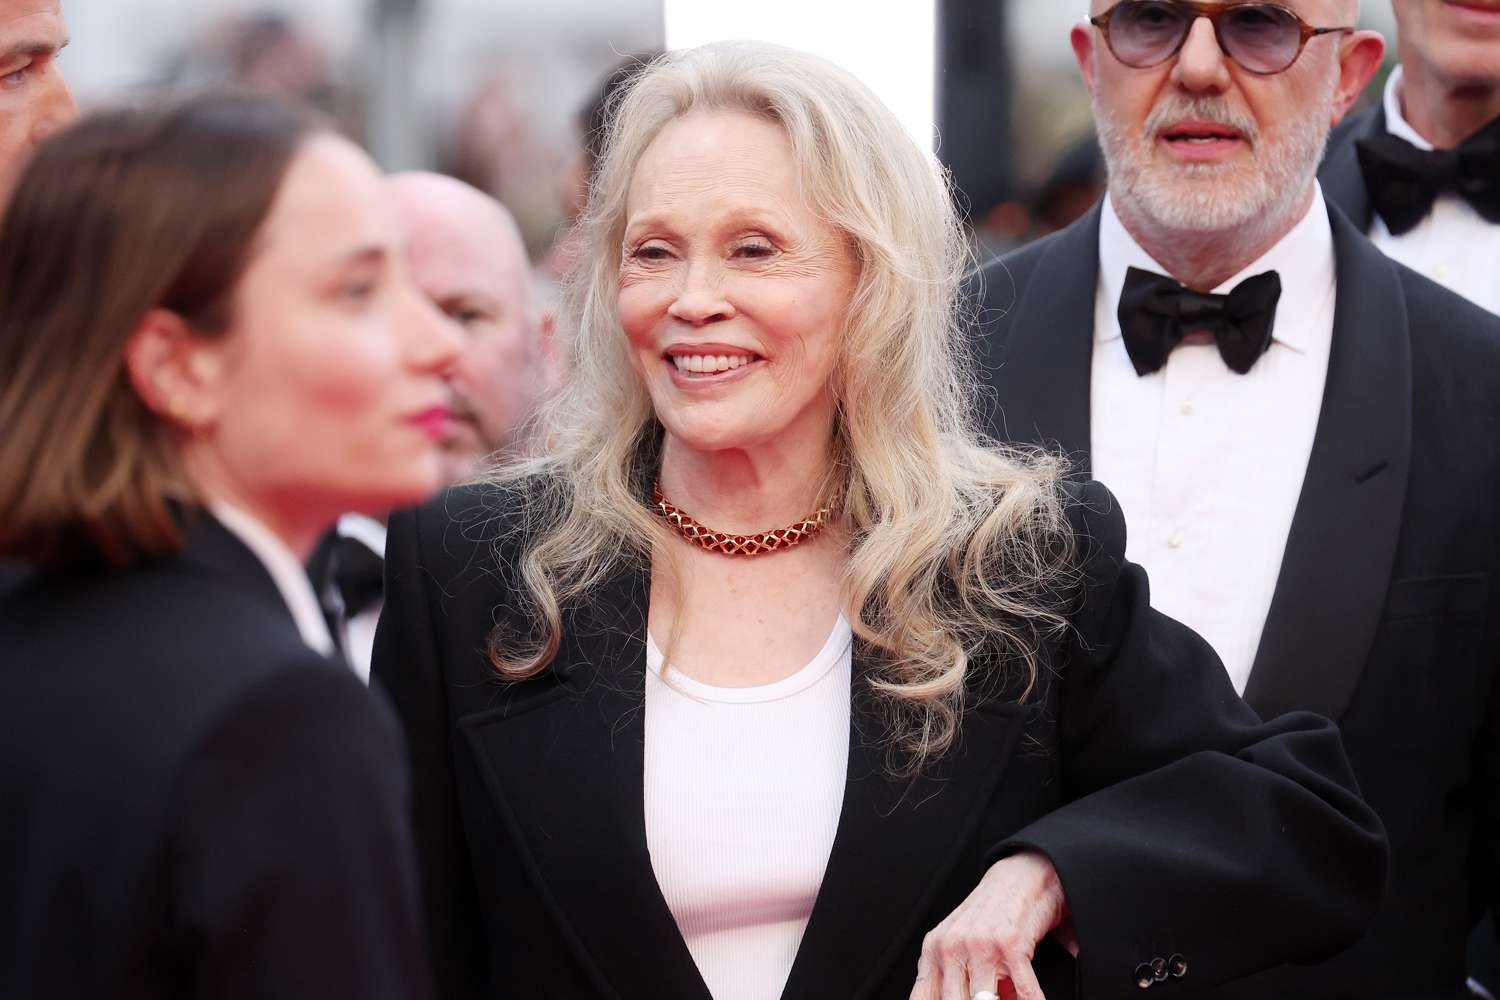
984	995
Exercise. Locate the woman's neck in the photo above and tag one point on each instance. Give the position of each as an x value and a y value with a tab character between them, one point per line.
296	523
746	490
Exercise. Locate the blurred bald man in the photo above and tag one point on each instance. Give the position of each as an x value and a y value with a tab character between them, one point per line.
466	255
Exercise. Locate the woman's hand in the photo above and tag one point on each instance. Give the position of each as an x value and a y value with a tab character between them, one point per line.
987	943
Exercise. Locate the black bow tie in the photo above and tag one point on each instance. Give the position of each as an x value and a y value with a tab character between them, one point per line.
347	576
1404	181
360	574
1156	313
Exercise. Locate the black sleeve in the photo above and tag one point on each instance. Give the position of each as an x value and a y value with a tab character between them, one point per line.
1487	829
406	663
1193	829
291	868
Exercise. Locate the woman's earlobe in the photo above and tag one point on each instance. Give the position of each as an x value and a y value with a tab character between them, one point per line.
169	371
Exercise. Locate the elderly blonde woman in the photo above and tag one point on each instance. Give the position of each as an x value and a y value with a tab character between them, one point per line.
771	679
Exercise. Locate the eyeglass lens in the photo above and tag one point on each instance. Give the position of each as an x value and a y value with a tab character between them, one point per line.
1263	38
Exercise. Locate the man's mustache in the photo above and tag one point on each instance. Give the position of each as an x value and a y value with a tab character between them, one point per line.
1176	108
462	407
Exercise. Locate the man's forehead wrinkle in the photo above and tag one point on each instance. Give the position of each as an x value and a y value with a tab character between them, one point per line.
12	11
465	259
457	228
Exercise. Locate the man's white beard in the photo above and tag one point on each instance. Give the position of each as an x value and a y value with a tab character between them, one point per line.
1213	197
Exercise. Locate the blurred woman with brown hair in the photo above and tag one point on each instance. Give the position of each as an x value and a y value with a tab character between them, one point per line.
208	349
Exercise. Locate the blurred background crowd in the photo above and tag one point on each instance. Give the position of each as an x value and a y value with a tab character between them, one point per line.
495	91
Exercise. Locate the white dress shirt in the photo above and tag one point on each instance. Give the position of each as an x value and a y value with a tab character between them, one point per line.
286	571
1454	245
743	789
1208	464
360	628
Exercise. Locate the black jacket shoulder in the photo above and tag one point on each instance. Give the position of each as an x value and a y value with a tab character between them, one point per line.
252	793
999	283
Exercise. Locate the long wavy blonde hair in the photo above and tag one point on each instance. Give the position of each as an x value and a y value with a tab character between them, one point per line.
954	541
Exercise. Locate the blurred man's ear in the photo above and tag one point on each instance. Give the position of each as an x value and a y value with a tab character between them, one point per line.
1360	56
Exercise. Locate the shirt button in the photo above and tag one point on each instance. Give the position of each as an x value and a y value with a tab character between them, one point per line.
1174	540
1442	270
1186	409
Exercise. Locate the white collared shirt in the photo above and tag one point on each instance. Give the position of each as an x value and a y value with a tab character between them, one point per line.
286	571
360	629
1454	245
1208	464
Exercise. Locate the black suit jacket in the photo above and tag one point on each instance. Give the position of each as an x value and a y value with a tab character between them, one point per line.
1386	613
1179	823
1343	182
195	804
1344	185
11	575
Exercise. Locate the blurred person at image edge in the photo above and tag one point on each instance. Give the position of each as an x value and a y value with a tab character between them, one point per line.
207	351
34	101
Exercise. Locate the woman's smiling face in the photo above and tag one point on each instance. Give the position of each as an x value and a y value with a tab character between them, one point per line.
733	290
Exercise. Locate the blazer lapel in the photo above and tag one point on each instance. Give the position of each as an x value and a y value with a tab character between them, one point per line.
565	764
209	545
896	841
1040	369
1343	182
1343	539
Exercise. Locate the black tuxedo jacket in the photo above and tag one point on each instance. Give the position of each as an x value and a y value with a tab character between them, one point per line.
1386	613
11	575
1343	182
1179	823
195	804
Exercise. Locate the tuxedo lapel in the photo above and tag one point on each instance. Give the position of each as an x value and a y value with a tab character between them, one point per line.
565	764
209	547
896	842
1040	367
1343	539
1343	181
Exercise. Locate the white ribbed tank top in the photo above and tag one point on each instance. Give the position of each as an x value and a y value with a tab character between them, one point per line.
743	791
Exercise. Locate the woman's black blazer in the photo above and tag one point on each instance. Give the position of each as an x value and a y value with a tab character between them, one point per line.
193	803
1190	836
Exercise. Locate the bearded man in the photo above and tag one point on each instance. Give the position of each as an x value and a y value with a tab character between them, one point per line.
1303	434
